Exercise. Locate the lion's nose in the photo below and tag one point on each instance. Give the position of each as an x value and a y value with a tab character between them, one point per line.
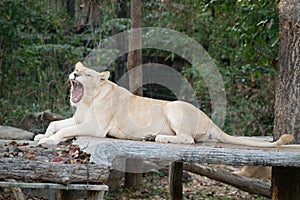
73	76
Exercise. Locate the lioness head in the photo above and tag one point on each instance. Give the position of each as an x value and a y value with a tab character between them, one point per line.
84	83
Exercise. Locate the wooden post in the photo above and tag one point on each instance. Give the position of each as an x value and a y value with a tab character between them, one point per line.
175	180
64	195
95	195
288	176
119	65
133	180
285	180
135	42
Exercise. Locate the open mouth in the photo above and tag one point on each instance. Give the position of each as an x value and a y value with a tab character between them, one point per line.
76	91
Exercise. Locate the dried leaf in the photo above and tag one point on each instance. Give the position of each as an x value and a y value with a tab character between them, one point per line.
57	159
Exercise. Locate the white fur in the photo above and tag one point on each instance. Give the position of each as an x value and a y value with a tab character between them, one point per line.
107	109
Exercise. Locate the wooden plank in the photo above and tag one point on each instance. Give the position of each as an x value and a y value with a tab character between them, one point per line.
87	187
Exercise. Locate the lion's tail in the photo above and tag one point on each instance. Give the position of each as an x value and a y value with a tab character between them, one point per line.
284	139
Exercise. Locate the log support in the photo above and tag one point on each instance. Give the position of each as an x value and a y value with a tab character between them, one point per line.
285	183
175	180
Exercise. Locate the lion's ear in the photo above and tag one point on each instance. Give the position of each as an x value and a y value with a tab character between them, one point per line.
78	65
104	75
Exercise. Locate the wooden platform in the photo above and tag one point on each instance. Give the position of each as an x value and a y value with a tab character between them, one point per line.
108	154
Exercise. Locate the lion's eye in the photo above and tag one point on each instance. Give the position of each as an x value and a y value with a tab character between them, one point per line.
87	74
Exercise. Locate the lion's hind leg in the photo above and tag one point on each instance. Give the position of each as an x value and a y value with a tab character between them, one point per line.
180	129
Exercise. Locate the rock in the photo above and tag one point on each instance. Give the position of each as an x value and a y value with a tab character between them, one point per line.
11	133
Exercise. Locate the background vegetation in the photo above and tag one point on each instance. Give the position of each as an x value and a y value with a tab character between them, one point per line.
40	44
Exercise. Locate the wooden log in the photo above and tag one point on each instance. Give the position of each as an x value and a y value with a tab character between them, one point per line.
110	150
12	133
175	180
37	171
252	186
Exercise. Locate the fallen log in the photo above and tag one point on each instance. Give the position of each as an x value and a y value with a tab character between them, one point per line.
252	186
37	171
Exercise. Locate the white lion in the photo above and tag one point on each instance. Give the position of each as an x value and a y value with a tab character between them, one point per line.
106	109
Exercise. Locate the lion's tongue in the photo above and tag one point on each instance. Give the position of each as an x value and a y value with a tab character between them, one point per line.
77	92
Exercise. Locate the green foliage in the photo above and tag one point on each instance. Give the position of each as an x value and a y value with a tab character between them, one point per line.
245	34
33	65
38	80
38	48
242	38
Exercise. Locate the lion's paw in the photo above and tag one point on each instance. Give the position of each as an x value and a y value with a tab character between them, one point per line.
162	139
39	137
177	139
48	141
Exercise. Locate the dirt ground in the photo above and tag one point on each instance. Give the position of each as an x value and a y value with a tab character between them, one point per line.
195	187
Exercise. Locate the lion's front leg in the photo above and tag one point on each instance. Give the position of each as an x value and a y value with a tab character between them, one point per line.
60	136
55	127
84	129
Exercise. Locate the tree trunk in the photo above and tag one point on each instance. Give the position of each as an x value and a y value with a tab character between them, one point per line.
285	181
133	180
135	42
120	64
